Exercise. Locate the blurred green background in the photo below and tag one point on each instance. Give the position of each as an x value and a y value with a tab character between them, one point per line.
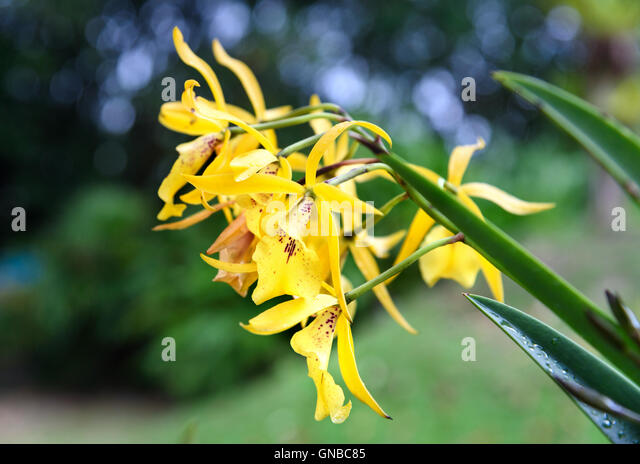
88	292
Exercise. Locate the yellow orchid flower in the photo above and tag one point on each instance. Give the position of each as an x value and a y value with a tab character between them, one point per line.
208	122
314	341
335	151
192	156
329	195
364	247
287	263
458	261
286	237
235	244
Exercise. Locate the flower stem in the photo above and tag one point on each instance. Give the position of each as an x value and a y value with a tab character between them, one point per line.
309	108
331	167
389	205
401	266
279	123
299	145
377	148
355	172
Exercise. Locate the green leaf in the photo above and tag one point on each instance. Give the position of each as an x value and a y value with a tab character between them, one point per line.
567	362
526	270
611	144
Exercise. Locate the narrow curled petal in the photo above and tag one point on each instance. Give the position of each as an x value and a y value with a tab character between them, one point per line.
339	200
286	171
322	145
285	315
219	163
491	273
276	112
456	261
349	368
380	246
175	116
247	164
192	156
191	220
241	113
419	227
318	125
503	199
314	342
342	148
428	173
238	250
205	111
298	161
223	157
493	277
193	60
237	228
459	160
369	268
322	125
229	267
245	75
333	241
225	184
375	174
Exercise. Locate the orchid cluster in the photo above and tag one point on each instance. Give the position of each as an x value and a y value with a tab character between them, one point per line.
293	218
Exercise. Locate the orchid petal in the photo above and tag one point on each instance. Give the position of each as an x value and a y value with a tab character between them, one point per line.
349	368
503	199
369	268
245	75
322	145
285	315
229	267
225	184
188	57
459	160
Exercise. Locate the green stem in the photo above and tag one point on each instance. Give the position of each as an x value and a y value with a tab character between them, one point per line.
389	205
401	266
309	108
339	164
279	123
299	145
355	172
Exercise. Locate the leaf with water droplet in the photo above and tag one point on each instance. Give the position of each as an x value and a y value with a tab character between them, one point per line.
553	352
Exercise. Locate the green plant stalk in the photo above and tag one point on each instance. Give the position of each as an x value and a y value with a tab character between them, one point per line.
299	145
401	266
309	108
520	265
358	171
296	120
392	203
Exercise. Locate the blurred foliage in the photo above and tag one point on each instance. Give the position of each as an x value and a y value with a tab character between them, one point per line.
88	292
111	291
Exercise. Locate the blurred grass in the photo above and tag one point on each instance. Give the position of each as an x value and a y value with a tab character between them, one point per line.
421	381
